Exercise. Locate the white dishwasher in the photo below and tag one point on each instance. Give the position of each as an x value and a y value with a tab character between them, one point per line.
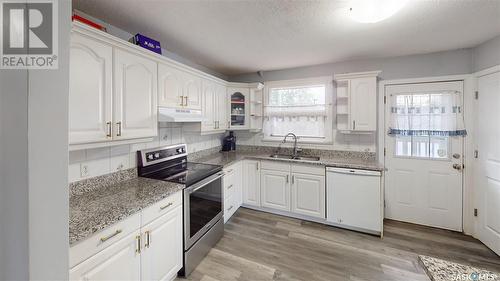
354	199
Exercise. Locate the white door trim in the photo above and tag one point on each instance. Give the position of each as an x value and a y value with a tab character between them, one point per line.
470	86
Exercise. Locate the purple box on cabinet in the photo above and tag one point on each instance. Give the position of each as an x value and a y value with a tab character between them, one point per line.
146	43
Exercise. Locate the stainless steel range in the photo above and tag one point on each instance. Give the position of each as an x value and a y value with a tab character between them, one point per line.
203	199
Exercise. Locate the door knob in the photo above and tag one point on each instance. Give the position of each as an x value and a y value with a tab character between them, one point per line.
457	167
456	156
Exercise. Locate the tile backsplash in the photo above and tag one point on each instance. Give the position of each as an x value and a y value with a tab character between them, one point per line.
95	162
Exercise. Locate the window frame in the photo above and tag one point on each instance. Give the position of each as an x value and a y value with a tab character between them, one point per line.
326	81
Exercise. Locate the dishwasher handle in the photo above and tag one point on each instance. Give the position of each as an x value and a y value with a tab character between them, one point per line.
353	171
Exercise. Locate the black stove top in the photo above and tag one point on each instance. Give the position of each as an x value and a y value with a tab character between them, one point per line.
170	164
186	173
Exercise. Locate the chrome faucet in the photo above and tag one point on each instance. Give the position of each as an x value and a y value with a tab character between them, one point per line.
295	150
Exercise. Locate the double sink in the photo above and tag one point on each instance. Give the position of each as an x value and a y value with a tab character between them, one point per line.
291	157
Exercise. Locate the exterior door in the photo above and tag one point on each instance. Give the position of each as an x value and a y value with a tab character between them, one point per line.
170	86
424	173
308	195
488	174
120	261
90	90
135	96
251	183
162	252
275	187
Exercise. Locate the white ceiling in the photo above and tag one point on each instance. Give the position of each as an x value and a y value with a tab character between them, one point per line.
234	37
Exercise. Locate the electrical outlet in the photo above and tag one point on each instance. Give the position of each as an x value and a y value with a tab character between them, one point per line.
84	170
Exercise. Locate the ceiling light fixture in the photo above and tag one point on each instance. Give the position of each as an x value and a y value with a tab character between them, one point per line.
371	11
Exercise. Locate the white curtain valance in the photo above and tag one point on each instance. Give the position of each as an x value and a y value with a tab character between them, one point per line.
296	110
427	114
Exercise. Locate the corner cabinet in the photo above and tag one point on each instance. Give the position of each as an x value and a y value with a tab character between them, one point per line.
357	102
245	106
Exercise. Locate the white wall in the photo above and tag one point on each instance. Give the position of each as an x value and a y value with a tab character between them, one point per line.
33	168
487	54
100	161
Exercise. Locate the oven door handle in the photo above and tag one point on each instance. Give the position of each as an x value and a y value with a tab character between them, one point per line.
204	182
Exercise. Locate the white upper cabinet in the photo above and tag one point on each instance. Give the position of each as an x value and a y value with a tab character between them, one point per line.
90	90
135	96
192	91
357	101
170	86
209	122
363	95
222	117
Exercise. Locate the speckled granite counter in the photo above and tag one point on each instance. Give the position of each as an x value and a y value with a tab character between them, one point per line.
99	202
347	161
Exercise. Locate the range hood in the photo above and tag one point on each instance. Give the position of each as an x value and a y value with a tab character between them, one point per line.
167	114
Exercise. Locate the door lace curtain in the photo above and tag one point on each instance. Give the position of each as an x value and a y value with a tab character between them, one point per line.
427	114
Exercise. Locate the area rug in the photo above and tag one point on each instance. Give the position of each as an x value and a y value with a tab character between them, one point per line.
442	270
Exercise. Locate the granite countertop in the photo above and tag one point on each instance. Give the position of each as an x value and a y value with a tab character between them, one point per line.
93	209
228	158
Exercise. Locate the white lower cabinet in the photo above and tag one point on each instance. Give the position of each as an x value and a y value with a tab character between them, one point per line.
308	195
120	261
153	251
161	257
275	189
232	190
251	183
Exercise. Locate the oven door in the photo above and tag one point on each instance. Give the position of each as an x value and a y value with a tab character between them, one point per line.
202	208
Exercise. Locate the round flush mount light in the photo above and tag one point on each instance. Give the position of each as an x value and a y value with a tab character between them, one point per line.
371	11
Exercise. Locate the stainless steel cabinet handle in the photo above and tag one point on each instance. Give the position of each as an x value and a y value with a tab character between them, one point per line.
186	100
287	179
166	206
119	133
182	100
104	239
257	166
457	167
293	179
229	187
229	171
109	129
229	209
354	125
138	244
148	239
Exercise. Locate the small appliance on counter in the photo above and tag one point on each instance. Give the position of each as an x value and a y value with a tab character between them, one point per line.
229	142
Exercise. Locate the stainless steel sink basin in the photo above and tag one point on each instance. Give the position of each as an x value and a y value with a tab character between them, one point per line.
305	158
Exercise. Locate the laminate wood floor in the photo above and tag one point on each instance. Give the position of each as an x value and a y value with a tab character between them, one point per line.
263	246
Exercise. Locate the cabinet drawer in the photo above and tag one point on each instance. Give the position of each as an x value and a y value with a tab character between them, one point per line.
164	206
230	207
275	165
104	238
308	169
229	185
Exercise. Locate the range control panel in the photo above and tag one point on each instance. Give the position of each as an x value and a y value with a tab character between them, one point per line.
156	155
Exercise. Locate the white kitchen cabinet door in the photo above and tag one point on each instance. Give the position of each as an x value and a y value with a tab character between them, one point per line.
192	91
120	261
222	105
135	96
170	86
90	91
161	256
363	103
275	189
308	195
251	183
209	107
